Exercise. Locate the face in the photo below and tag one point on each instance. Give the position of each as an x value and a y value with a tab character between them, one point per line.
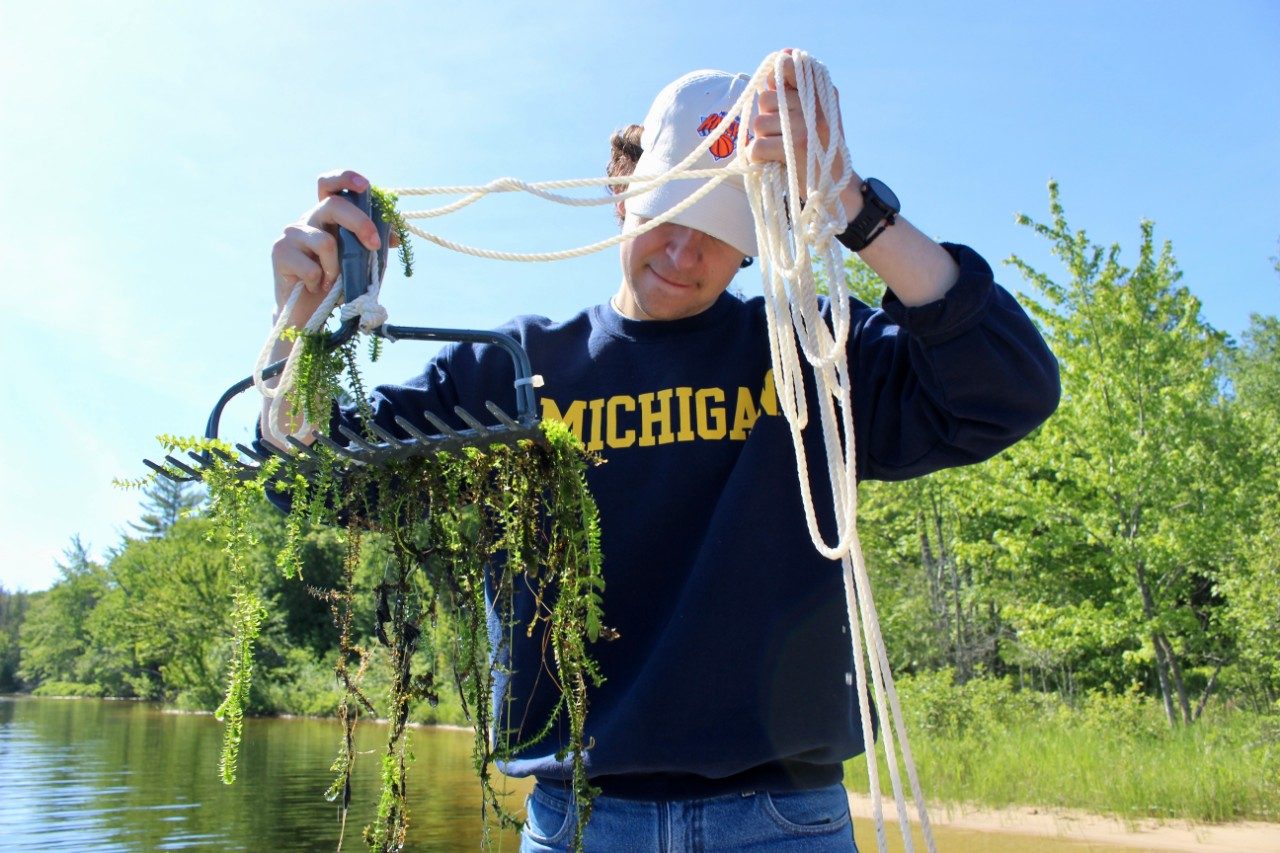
673	271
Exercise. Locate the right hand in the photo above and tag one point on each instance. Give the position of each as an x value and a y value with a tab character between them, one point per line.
307	251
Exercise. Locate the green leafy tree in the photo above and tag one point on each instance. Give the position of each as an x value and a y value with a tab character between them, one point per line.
54	635
1135	492
158	631
13	609
1252	591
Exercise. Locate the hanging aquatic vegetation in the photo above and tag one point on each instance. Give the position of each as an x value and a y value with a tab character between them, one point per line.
471	520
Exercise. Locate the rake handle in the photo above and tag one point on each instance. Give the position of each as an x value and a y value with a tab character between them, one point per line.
358	266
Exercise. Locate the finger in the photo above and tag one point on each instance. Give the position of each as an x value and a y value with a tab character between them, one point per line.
293	265
769	126
771	150
336	210
772	102
766	150
788	67
318	244
332	183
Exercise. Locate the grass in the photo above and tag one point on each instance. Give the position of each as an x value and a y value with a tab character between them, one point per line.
988	744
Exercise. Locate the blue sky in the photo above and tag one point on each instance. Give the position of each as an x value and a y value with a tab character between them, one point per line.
153	152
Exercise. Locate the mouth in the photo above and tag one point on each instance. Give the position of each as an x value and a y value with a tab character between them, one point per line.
665	280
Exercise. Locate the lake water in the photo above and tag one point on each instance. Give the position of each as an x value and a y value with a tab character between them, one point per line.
89	775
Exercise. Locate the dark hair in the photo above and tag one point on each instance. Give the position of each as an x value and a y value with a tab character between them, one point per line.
624	153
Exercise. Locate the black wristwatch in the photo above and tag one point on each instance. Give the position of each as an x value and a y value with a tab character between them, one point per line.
879	207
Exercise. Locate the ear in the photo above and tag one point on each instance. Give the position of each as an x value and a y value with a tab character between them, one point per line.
621	208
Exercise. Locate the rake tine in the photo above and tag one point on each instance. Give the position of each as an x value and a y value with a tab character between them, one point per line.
481	430
421	436
356	439
204	460
337	448
304	450
503	418
181	466
444	428
390	439
251	453
276	451
160	469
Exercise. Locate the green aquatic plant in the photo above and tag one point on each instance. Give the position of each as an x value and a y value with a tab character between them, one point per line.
462	538
385	201
506	520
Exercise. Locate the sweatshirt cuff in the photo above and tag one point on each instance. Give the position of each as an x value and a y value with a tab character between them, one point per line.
958	311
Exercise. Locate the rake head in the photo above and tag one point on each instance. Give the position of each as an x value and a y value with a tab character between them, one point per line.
379	447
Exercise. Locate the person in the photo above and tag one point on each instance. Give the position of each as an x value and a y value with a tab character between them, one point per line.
728	703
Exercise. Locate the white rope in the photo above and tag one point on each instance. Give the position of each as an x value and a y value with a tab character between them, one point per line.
787	260
792	238
371	315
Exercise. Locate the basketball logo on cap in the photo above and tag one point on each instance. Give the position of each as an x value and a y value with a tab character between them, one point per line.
724	146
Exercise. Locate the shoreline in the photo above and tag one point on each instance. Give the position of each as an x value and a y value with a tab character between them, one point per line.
1178	836
1071	825
163	708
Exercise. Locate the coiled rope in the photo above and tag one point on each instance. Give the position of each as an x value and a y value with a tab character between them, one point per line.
792	238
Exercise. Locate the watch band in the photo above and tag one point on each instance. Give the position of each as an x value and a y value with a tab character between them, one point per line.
870	222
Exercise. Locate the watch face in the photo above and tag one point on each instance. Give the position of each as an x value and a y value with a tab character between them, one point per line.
880	191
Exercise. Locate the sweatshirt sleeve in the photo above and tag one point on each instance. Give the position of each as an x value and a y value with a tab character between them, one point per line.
951	382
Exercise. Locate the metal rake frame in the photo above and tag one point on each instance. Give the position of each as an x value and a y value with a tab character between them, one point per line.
359	265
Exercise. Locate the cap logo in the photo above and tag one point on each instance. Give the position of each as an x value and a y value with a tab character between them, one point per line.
728	141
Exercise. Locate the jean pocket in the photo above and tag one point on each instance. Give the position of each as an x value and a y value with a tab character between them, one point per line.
548	820
808	812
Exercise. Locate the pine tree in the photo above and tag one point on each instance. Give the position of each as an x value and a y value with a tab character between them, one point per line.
163	503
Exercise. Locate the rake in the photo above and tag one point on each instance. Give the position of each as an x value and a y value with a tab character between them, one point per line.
379	447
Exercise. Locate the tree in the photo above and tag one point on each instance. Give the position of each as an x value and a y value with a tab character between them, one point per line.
13	609
53	634
1252	591
160	630
1136	475
164	502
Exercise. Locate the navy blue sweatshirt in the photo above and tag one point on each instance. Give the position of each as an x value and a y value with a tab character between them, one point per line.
733	669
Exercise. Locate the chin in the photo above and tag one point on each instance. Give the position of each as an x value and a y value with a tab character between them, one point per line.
662	309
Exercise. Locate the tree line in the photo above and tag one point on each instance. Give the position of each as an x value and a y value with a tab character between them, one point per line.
1132	542
1135	537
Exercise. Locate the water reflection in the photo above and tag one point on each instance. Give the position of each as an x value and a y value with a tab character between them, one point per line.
88	775
123	776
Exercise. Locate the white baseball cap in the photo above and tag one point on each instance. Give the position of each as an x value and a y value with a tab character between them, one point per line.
682	116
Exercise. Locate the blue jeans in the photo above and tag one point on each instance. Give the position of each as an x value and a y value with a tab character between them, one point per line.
809	821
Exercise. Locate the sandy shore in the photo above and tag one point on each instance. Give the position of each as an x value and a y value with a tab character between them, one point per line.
1244	837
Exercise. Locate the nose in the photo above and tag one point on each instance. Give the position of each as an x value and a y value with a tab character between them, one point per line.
684	247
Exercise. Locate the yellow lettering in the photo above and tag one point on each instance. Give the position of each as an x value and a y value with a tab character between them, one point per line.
683	397
744	416
769	395
616	439
662	417
597	423
710	418
572	419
